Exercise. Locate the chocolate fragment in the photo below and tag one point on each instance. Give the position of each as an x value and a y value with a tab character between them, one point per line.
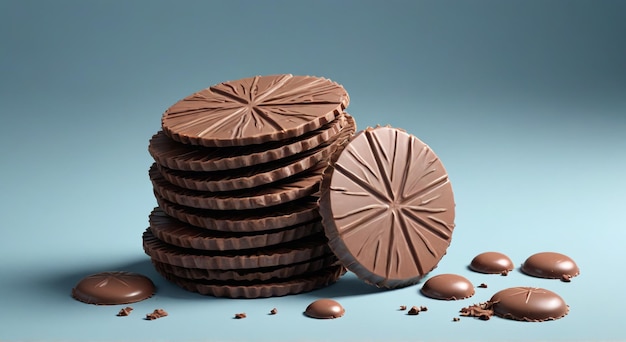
255	110
325	309
550	265
456	319
491	262
125	311
413	311
402	307
156	314
504	273
273	311
482	311
448	287
482	285
387	207
529	304
423	308
240	315
109	288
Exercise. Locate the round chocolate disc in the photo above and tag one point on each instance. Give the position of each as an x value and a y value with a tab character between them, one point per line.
491	262
109	288
550	265
529	304
325	309
255	110
448	287
387	207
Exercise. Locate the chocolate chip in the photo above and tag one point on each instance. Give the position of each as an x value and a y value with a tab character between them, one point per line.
423	308
482	285
504	273
402	307
273	311
456	319
240	315
125	311
414	311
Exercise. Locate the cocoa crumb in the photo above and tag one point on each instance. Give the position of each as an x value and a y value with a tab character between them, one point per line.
402	307
240	315
273	311
504	273
158	313
423	308
482	311
566	278
414	311
125	311
456	319
482	285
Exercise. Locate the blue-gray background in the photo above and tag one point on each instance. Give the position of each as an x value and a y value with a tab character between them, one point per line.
524	101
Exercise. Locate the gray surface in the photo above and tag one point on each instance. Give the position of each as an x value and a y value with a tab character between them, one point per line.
524	102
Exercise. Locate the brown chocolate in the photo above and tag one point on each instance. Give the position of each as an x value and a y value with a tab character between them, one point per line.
156	314
325	309
244	221
283	191
413	311
448	287
240	315
125	311
181	234
491	262
110	288
387	207
482	286
259	289
529	304
177	156
482	311
255	110
284	254
550	265
402	307
262	273
273	311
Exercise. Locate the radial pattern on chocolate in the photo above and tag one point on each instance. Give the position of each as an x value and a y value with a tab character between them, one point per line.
255	110
389	208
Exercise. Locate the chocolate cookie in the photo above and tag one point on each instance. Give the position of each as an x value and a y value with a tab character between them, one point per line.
181	234
178	156
387	207
284	254
259	289
261	274
255	110
254	220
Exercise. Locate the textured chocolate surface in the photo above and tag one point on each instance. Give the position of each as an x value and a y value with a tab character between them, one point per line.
254	220
110	288
448	287
529	304
262	274
285	254
550	265
283	191
181	234
255	110
249	177
178	156
387	207
491	262
259	289
325	308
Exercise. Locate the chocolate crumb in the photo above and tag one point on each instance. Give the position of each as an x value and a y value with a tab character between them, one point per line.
504	273
482	311
402	307
125	311
456	319
240	315
482	285
273	311
158	313
414	311
566	278
484	317
423	308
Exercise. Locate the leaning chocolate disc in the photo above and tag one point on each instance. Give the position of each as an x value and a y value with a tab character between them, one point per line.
529	304
110	288
550	265
387	207
255	110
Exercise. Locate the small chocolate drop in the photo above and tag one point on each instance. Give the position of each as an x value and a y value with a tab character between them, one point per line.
324	309
448	287
550	265
491	263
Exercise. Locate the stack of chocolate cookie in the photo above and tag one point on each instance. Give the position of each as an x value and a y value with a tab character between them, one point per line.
236	176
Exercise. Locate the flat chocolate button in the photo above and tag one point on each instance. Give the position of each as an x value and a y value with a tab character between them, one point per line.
387	207
529	304
109	288
491	262
448	287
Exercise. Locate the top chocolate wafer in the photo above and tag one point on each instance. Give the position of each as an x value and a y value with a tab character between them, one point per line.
255	110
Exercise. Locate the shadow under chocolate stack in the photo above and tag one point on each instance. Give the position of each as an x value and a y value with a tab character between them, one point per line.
236	176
